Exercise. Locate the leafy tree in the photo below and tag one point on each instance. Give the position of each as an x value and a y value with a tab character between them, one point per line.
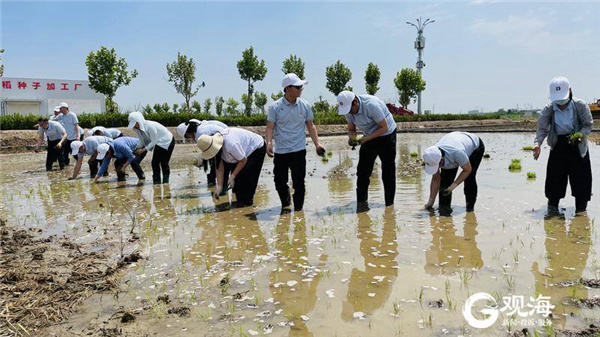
147	109
175	107
232	105
293	64
182	73
408	82
321	106
157	107
338	75
107	72
1	64
207	105
277	96
251	70
372	76
219	101
196	106
165	107
260	100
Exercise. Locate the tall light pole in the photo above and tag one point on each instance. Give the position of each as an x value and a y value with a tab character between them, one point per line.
419	46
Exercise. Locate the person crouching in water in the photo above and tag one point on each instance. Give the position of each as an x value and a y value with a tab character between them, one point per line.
192	130
454	150
122	150
153	136
244	152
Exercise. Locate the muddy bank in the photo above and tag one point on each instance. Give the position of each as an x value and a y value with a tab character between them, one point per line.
43	280
24	140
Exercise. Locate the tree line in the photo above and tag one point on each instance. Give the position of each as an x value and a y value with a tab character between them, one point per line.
107	72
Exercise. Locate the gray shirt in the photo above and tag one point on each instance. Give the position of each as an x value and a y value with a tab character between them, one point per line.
69	121
371	112
53	132
457	147
290	123
92	143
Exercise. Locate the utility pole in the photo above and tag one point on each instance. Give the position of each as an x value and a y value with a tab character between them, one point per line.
419	46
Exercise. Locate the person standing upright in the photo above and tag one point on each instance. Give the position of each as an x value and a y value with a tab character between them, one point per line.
372	117
287	119
567	122
71	124
56	135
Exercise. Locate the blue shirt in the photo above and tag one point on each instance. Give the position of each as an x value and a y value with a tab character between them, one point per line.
563	119
69	121
457	147
53	132
123	147
290	124
371	111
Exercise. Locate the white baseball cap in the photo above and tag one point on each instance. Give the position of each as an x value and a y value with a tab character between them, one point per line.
63	105
56	109
344	100
292	79
559	88
75	147
102	149
432	158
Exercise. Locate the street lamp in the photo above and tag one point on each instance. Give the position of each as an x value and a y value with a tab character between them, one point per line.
419	46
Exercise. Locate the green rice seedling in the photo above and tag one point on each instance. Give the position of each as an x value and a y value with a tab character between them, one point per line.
531	175
575	138
528	148
329	154
486	155
515	165
414	154
325	160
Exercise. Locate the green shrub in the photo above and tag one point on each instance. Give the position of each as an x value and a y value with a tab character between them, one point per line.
515	165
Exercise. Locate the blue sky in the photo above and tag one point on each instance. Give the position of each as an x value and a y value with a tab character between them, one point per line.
479	55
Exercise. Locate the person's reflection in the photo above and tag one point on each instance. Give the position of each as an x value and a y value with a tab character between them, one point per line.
212	243
567	252
293	268
366	292
449	252
339	181
250	238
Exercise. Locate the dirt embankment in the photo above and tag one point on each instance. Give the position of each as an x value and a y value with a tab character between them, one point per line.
13	141
44	280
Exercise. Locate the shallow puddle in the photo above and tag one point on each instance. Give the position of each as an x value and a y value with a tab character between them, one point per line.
327	271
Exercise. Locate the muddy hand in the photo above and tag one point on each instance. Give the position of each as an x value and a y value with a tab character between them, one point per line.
321	151
536	152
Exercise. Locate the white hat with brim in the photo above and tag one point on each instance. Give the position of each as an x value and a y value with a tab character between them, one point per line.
344	100
63	105
432	157
75	147
210	145
102	150
559	89
56	109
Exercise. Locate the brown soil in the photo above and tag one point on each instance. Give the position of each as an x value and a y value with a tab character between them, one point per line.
13	141
44	280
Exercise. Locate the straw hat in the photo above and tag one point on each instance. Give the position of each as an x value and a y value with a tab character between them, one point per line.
210	145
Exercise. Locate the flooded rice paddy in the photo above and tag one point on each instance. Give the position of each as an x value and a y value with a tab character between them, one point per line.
326	271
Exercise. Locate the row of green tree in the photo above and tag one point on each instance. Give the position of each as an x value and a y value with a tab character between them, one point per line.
107	72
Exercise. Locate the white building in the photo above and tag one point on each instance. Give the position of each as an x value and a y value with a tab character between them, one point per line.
40	96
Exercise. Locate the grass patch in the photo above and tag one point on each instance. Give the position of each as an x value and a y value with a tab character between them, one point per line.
515	165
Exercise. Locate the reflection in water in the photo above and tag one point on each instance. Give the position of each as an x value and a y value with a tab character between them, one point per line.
295	281
449	252
340	181
367	290
567	252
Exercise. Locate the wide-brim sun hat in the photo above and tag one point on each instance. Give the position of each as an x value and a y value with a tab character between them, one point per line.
210	145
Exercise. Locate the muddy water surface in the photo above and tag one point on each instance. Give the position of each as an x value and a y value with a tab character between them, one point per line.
327	271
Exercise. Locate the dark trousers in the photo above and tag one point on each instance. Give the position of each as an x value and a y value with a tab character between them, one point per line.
94	165
565	163
66	148
383	147
295	162
160	160
135	166
247	179
53	155
470	183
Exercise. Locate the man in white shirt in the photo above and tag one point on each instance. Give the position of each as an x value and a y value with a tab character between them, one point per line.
56	135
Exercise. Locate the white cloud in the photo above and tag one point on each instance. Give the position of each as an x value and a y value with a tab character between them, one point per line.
532	34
